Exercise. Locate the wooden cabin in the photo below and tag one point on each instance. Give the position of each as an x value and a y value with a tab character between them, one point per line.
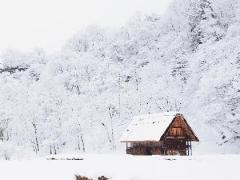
159	134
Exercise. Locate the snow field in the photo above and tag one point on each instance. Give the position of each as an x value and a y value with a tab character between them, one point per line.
125	167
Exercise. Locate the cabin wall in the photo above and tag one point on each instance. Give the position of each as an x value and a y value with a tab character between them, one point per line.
145	148
158	148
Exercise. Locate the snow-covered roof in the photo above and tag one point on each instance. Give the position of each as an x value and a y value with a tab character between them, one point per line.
149	127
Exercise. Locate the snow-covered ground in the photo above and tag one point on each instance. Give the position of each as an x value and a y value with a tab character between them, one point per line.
125	167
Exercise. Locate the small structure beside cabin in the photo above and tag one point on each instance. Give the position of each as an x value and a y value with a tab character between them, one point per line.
159	134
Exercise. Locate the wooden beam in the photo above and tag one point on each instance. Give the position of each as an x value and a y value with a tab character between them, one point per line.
191	147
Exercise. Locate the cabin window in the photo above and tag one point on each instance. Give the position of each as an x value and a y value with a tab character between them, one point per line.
176	131
179	131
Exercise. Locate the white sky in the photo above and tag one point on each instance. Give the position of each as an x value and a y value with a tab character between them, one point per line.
25	24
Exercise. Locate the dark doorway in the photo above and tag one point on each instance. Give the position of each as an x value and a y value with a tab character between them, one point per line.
148	151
